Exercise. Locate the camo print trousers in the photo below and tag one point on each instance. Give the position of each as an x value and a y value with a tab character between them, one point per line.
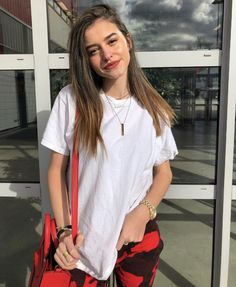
136	264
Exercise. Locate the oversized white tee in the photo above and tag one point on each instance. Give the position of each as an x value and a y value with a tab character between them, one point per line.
112	183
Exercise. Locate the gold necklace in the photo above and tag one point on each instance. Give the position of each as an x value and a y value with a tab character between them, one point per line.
125	96
122	124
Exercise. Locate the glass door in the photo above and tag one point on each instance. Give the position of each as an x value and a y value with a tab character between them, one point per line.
19	166
180	46
18	119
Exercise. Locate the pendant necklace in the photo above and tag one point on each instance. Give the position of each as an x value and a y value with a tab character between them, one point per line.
122	124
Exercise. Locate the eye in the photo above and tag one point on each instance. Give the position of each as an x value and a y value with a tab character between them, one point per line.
112	41
93	52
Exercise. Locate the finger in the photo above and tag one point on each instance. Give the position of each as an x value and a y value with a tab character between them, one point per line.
121	241
79	240
119	244
70	247
62	264
68	258
64	255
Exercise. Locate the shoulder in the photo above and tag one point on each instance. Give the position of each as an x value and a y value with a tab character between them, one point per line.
66	97
66	94
164	120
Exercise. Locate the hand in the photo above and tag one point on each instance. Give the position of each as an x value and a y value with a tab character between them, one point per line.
67	253
134	226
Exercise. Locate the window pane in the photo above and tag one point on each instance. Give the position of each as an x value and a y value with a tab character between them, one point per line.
59	21
18	127
15	27
232	257
58	80
193	93
232	261
156	25
20	223
234	169
186	228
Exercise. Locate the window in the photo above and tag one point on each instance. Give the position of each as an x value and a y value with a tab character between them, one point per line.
15	27
155	25
193	93
186	227
18	127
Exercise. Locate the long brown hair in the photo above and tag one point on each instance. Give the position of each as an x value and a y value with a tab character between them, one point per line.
86	84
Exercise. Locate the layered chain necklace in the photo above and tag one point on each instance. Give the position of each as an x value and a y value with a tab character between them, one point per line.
122	123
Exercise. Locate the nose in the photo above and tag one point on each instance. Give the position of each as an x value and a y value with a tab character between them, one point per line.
107	53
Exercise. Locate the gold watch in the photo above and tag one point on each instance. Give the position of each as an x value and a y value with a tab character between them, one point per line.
151	208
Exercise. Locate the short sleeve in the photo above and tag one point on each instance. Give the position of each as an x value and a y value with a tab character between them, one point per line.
55	136
166	146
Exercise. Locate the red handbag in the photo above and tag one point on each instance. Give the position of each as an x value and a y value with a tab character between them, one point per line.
45	271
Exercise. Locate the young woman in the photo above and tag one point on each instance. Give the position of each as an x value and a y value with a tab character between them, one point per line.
124	140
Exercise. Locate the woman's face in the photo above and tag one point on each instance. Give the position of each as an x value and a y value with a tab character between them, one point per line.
108	50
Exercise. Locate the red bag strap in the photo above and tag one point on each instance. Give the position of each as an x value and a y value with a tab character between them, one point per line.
46	239
74	190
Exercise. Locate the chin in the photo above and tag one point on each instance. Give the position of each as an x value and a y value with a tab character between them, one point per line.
116	75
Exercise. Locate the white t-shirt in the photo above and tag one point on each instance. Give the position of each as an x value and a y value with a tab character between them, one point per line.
113	183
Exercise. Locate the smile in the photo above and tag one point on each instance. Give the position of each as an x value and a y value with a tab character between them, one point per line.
111	65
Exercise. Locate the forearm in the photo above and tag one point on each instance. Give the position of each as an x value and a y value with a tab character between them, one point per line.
58	192
161	182
135	221
67	253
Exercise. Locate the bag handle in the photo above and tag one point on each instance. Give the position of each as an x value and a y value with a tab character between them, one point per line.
45	241
75	191
74	188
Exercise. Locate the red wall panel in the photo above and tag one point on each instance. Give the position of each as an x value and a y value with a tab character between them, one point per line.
18	8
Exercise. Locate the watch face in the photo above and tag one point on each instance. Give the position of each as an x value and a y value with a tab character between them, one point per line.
152	209
153	214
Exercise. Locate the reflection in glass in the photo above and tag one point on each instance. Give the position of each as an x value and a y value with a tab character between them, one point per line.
58	80
186	228
19	243
194	95
234	166
59	21
232	257
18	127
15	27
232	261
156	25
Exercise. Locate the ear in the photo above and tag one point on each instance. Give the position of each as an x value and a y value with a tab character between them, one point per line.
129	41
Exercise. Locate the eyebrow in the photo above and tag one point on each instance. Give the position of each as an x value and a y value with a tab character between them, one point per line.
106	38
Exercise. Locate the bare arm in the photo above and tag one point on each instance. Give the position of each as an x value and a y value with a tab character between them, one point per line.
57	188
135	222
67	253
161	180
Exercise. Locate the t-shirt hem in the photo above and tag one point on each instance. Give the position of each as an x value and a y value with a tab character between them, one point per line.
105	274
171	157
53	147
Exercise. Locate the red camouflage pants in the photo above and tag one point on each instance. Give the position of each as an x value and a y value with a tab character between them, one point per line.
136	263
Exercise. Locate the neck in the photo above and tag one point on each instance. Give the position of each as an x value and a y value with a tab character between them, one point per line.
116	89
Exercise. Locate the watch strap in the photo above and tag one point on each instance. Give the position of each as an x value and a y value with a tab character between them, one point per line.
151	208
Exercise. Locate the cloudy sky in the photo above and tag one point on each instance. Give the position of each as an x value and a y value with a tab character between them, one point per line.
160	25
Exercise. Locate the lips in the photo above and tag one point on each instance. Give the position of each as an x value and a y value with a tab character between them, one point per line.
112	65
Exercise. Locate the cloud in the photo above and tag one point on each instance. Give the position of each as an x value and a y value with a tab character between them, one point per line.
171	4
169	24
203	13
191	21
